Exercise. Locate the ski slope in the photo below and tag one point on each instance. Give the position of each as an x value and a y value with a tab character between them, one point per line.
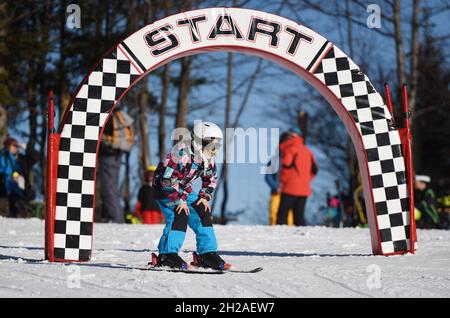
298	262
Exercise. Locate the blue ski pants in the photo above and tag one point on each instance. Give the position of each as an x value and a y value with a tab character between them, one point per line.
198	220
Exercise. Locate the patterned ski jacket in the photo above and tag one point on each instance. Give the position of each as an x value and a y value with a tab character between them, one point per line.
173	177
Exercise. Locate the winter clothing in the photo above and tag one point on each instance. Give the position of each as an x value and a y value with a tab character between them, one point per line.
198	220
172	260
275	199
174	176
212	260
9	166
147	209
298	167
172	183
423	178
358	198
109	173
118	138
26	163
151	168
15	187
297	204
425	202
206	139
333	214
273	181
11	142
118	134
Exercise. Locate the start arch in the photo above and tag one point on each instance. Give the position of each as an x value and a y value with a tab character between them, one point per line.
73	150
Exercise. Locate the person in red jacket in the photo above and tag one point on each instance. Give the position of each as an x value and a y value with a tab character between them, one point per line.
298	169
147	210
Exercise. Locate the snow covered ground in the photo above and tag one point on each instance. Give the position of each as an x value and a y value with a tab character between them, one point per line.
298	262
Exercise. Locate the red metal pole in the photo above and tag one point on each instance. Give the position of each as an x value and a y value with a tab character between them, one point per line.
51	113
50	200
390	106
409	169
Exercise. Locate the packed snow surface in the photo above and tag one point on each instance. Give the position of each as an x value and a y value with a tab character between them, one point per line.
298	262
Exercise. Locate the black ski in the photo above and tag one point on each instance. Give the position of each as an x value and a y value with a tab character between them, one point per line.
186	271
193	268
199	270
244	271
228	268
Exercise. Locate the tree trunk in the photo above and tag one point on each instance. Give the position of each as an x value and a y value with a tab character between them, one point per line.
63	86
302	123
185	75
237	117
349	27
142	97
228	142
127	190
3	125
415	51
352	166
32	105
352	161
399	47
45	87
162	111
183	92
143	127
131	16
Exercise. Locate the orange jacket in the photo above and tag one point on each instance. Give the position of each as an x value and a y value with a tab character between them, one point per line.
298	167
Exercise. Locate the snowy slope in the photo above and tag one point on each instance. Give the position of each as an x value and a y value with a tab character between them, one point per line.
298	262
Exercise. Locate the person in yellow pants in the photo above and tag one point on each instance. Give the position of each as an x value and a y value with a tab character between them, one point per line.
274	205
273	181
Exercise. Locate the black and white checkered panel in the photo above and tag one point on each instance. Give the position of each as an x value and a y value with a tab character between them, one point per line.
382	143
78	155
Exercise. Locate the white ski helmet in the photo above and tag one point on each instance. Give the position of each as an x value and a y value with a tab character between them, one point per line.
207	130
207	136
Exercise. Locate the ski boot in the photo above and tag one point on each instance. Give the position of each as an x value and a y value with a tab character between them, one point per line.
172	260
210	260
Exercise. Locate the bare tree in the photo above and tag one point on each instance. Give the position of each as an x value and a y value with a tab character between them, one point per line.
183	91
228	142
162	111
3	124
399	47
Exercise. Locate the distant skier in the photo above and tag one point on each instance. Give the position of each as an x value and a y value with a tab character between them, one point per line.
426	213
117	139
189	160
15	185
298	169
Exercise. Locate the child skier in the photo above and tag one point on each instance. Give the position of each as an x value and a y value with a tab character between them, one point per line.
189	160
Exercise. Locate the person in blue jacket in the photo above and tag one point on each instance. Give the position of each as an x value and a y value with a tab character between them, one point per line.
12	182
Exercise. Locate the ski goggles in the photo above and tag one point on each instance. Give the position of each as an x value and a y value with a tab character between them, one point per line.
212	145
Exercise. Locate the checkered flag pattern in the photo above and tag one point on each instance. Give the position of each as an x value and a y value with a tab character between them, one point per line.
73	228
78	154
382	143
